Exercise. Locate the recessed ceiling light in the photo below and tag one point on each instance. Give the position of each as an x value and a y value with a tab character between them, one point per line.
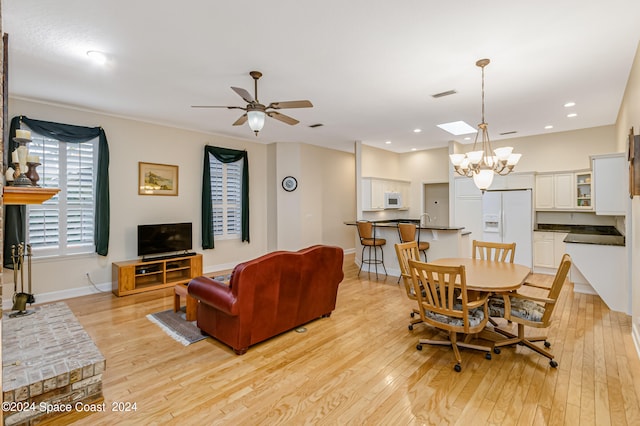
573	114
467	138
548	127
414	149
388	142
457	128
569	104
97	57
417	130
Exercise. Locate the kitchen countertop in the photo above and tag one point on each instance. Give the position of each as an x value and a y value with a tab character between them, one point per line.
586	234
392	223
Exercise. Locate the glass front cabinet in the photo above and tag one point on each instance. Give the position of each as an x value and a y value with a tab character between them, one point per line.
583	191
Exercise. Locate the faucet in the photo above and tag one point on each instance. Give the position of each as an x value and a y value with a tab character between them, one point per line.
428	218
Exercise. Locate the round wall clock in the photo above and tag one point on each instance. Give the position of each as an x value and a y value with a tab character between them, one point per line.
289	183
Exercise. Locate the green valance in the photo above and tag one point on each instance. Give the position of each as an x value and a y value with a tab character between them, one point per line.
224	155
15	216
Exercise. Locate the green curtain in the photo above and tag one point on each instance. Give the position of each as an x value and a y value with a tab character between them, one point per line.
15	216
224	155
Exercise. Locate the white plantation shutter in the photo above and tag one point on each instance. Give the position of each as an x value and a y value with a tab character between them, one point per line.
226	198
65	223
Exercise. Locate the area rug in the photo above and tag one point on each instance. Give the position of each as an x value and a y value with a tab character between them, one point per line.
175	324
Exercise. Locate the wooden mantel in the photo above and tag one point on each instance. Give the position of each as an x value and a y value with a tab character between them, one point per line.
27	195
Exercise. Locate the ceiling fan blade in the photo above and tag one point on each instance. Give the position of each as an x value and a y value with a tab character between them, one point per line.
283	118
216	106
243	94
240	121
290	104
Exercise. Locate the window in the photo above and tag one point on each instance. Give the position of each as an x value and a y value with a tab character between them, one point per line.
64	224
226	198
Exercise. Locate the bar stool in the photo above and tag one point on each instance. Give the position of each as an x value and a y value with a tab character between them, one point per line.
407	232
368	239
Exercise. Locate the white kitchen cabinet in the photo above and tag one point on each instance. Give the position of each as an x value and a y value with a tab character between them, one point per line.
564	188
519	181
465	187
559	247
610	184
468	207
544	192
548	248
543	249
569	191
373	190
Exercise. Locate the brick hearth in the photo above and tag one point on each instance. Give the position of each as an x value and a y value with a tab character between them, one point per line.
49	361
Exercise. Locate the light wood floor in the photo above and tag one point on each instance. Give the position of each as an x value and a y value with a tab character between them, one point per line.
360	366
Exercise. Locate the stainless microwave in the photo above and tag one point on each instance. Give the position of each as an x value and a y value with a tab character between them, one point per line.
392	200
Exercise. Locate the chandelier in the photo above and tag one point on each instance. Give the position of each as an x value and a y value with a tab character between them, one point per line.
482	164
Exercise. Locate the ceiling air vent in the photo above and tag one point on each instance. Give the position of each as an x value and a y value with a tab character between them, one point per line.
443	94
508	133
313	126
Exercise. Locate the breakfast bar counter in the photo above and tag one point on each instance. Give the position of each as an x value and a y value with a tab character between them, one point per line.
444	241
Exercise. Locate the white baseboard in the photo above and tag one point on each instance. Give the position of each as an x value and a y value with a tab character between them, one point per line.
54	296
635	334
583	288
372	269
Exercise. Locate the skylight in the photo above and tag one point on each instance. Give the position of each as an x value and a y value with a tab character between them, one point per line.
457	128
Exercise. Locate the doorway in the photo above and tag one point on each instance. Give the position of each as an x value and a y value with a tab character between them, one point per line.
436	203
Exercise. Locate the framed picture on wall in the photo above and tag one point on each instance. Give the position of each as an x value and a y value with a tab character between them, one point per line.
157	179
633	154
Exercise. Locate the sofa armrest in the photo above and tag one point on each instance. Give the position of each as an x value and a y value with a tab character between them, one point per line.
214	293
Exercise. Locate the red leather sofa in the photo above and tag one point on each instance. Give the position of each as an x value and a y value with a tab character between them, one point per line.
269	295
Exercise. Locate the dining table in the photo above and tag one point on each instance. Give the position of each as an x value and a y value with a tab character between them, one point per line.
488	275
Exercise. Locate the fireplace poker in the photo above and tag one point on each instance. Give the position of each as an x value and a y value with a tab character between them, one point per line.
30	298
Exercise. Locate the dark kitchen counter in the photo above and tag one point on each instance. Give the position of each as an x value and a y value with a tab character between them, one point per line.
586	234
392	223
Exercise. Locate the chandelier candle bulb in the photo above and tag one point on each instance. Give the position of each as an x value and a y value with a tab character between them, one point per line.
14	157
33	159
23	134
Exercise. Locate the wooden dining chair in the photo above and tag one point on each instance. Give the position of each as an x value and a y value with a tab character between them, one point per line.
499	252
446	309
405	252
408	231
531	311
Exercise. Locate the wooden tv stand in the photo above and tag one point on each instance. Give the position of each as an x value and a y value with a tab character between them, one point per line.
136	276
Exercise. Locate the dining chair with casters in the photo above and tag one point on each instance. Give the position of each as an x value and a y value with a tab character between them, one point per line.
405	252
408	231
530	311
498	252
369	240
446	309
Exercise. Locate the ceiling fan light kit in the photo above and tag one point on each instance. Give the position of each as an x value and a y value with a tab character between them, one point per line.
256	112
483	164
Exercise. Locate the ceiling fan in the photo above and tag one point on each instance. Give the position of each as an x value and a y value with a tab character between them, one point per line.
256	112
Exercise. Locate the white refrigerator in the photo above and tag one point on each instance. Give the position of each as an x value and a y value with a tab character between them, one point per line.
507	216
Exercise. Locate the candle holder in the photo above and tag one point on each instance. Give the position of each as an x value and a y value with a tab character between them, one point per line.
21	165
21	178
32	173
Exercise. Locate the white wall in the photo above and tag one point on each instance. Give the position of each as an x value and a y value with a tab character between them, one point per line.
629	116
325	198
133	141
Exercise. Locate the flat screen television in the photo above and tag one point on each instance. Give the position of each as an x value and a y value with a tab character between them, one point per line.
164	238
